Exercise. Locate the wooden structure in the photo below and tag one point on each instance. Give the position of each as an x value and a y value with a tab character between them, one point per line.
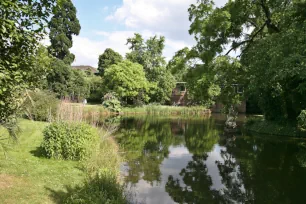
179	94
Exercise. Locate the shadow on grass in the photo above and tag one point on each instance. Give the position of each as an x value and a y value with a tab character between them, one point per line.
100	189
39	152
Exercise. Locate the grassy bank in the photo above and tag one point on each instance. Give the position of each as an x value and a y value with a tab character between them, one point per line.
259	125
91	109
166	110
27	177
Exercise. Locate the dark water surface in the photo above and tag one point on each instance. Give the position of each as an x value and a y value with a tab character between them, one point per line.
192	161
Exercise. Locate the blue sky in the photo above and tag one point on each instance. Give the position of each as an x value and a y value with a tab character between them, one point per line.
108	23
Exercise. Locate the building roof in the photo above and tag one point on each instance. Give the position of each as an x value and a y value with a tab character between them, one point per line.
85	68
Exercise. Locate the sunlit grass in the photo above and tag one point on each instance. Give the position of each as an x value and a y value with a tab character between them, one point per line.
33	177
27	177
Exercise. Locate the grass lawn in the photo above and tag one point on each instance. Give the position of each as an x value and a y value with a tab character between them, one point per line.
26	177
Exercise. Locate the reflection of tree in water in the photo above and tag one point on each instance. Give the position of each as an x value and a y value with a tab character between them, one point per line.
301	155
252	170
146	143
234	190
197	184
201	138
196	188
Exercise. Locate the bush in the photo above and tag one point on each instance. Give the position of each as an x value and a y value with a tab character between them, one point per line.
40	106
70	141
301	119
101	189
111	103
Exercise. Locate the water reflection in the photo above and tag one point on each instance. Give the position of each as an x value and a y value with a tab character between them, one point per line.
189	161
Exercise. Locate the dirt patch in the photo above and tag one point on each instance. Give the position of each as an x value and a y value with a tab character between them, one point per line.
8	181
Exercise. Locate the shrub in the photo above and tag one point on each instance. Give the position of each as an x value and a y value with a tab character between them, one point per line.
302	119
70	141
40	105
101	189
111	102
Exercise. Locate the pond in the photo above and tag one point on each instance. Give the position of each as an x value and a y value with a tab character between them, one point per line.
192	161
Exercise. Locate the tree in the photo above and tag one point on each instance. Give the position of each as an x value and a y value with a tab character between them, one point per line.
127	80
269	35
149	54
162	85
67	82
62	26
22	27
96	88
108	58
180	64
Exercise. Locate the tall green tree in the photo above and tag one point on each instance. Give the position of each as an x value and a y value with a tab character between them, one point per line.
128	81
67	82
271	40
108	58
22	27
149	54
63	25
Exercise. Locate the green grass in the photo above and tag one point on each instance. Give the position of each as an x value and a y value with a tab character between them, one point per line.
30	177
166	110
149	110
27	177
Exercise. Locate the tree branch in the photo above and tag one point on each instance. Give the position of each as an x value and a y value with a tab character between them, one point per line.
268	16
249	40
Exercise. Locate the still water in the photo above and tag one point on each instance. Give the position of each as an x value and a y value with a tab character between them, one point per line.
192	161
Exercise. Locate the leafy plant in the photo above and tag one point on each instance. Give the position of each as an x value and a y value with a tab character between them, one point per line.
41	105
22	27
69	141
101	189
302	119
111	102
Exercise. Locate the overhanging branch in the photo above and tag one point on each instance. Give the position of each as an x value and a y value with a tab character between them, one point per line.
249	40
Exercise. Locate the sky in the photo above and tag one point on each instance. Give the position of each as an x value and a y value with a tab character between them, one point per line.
108	24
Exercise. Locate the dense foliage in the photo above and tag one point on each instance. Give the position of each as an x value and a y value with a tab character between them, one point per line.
180	64
108	58
96	88
101	189
63	25
67	82
22	27
149	54
127	80
41	106
269	36
111	103
69	141
302	119
161	86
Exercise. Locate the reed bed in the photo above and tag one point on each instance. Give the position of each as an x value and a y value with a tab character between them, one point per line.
168	110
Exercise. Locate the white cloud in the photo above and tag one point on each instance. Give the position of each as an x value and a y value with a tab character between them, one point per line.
169	17
87	51
147	17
